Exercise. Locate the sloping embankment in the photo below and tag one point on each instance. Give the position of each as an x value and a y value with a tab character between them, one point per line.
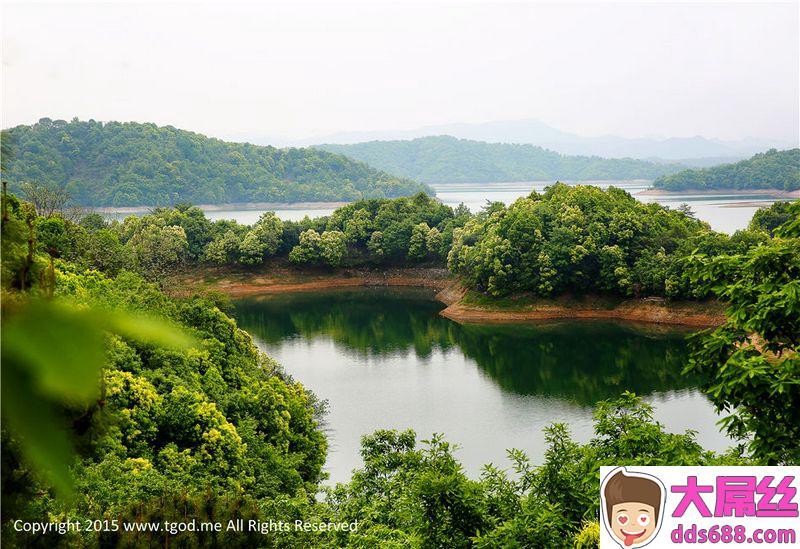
693	314
282	280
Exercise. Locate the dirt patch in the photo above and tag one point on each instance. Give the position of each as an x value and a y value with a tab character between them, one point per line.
240	284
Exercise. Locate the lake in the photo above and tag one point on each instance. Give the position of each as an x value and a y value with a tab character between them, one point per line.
385	358
723	212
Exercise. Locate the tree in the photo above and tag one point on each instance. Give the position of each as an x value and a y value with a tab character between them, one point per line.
223	250
769	219
198	228
93	222
375	245
418	495
357	227
434	242
418	244
105	252
47	201
333	246
328	248
158	251
262	240
308	250
53	236
751	364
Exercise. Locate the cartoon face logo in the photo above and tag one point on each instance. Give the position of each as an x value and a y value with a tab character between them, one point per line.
632	505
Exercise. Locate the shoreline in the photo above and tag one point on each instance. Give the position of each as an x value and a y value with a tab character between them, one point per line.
460	306
645	311
776	193
325	205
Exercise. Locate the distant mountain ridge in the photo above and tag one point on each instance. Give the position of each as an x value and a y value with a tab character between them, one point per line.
770	170
535	132
445	159
132	164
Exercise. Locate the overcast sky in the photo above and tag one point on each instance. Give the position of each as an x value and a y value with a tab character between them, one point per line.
299	70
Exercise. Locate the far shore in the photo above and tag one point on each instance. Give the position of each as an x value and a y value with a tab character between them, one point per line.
243	206
777	193
266	206
463	306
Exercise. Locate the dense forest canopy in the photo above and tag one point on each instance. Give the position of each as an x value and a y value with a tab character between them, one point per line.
130	164
445	159
581	239
770	170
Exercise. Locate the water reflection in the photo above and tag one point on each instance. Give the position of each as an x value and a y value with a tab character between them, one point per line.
582	362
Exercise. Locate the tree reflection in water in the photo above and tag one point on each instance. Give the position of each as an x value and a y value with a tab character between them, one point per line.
579	361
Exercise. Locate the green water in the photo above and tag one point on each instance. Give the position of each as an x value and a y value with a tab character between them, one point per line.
384	358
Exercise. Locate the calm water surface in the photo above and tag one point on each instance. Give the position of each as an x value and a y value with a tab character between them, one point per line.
384	358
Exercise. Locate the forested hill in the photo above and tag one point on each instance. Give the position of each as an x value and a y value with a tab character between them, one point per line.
770	170
445	159
131	164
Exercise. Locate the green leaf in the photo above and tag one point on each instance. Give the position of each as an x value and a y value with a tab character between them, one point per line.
43	439
146	329
61	346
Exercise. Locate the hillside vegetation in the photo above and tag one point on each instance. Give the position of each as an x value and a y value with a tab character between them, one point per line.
770	170
445	159
130	164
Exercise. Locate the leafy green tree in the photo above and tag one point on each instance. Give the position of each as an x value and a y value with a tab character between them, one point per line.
328	248
309	249
769	219
93	222
223	250
21	264
751	363
158	251
53	236
434	241
394	222
418	243
375	245
105	252
262	240
333	245
191	219
357	227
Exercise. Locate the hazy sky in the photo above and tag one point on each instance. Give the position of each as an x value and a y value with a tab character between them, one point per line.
720	70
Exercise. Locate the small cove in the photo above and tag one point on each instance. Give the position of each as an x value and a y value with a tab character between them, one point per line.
385	358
